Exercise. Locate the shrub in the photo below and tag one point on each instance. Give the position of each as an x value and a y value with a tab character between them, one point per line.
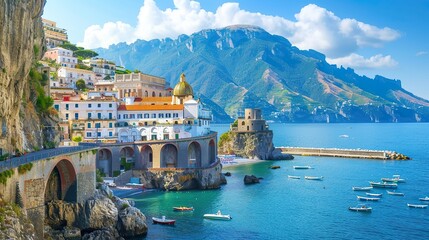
116	173
77	139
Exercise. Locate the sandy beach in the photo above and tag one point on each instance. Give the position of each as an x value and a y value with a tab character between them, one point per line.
239	161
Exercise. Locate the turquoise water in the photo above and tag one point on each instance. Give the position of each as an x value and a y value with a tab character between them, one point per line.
282	208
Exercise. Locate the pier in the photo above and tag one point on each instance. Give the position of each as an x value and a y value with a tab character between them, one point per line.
345	153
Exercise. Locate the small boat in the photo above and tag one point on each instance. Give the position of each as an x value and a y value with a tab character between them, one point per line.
313	178
374	194
361	188
395	178
344	136
395	193
293	177
424	199
217	216
183	209
368	198
163	221
417	205
302	167
383	185
361	208
275	167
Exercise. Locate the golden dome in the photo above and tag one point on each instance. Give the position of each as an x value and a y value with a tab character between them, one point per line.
183	88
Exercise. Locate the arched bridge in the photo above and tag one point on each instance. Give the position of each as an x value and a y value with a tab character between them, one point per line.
56	174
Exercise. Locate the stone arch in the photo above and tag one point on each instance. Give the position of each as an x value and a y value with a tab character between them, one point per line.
104	161
126	155
123	135
147	156
169	156
212	151
153	94
194	155
62	183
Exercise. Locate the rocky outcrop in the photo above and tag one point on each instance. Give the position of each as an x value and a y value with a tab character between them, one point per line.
21	45
253	145
102	217
14	223
250	179
178	180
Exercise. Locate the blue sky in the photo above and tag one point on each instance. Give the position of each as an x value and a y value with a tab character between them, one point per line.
384	37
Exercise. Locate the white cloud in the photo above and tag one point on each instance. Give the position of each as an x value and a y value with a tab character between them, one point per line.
359	62
313	28
421	53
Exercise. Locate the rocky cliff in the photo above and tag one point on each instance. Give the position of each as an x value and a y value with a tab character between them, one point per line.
14	223
254	145
102	217
21	45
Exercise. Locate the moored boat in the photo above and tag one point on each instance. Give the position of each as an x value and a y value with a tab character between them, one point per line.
395	178
302	167
374	194
294	177
417	205
424	199
367	198
395	193
275	167
218	216
163	221
361	208
313	178
383	185
361	188
183	209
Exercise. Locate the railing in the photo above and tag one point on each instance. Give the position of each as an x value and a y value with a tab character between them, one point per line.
35	156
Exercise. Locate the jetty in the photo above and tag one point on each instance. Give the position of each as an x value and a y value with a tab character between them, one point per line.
345	153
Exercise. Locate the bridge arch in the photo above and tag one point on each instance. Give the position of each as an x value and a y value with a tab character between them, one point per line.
194	154
62	182
127	155
169	156
147	156
104	161
212	151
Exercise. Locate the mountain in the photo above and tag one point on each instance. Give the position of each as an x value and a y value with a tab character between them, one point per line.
244	66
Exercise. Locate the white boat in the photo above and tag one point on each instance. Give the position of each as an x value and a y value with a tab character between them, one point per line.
344	136
395	178
361	208
367	198
383	185
302	167
424	199
313	178
417	205
374	194
395	193
361	188
217	216
293	177
163	221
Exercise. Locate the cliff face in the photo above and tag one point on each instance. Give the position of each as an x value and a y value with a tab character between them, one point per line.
21	44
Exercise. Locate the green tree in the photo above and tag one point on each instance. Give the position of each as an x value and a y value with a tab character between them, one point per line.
84	53
80	84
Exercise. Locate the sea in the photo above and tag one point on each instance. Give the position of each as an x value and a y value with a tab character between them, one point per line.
283	208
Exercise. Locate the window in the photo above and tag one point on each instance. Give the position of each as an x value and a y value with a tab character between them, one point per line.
153	115
110	115
89	115
67	107
146	115
76	105
110	134
89	125
177	136
110	125
161	115
168	115
132	116
165	136
88	134
99	105
89	105
175	115
99	115
57	107
110	105
153	137
139	116
119	116
144	138
125	116
67	116
76	116
98	134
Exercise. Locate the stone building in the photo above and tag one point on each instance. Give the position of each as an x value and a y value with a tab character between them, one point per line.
252	121
54	35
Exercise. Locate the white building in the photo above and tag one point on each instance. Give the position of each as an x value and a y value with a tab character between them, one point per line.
67	77
101	67
63	57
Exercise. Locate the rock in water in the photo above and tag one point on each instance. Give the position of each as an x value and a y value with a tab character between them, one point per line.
250	179
100	213
131	222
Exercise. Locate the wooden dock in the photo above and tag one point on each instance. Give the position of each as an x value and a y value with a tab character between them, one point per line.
344	153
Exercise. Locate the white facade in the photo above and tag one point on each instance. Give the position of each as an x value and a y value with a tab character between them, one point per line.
101	67
67	77
62	56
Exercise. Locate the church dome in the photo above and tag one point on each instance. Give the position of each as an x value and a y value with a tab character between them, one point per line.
183	88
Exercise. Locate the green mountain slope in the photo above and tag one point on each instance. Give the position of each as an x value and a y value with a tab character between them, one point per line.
244	66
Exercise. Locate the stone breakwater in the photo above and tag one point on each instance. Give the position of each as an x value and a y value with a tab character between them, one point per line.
102	217
346	153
